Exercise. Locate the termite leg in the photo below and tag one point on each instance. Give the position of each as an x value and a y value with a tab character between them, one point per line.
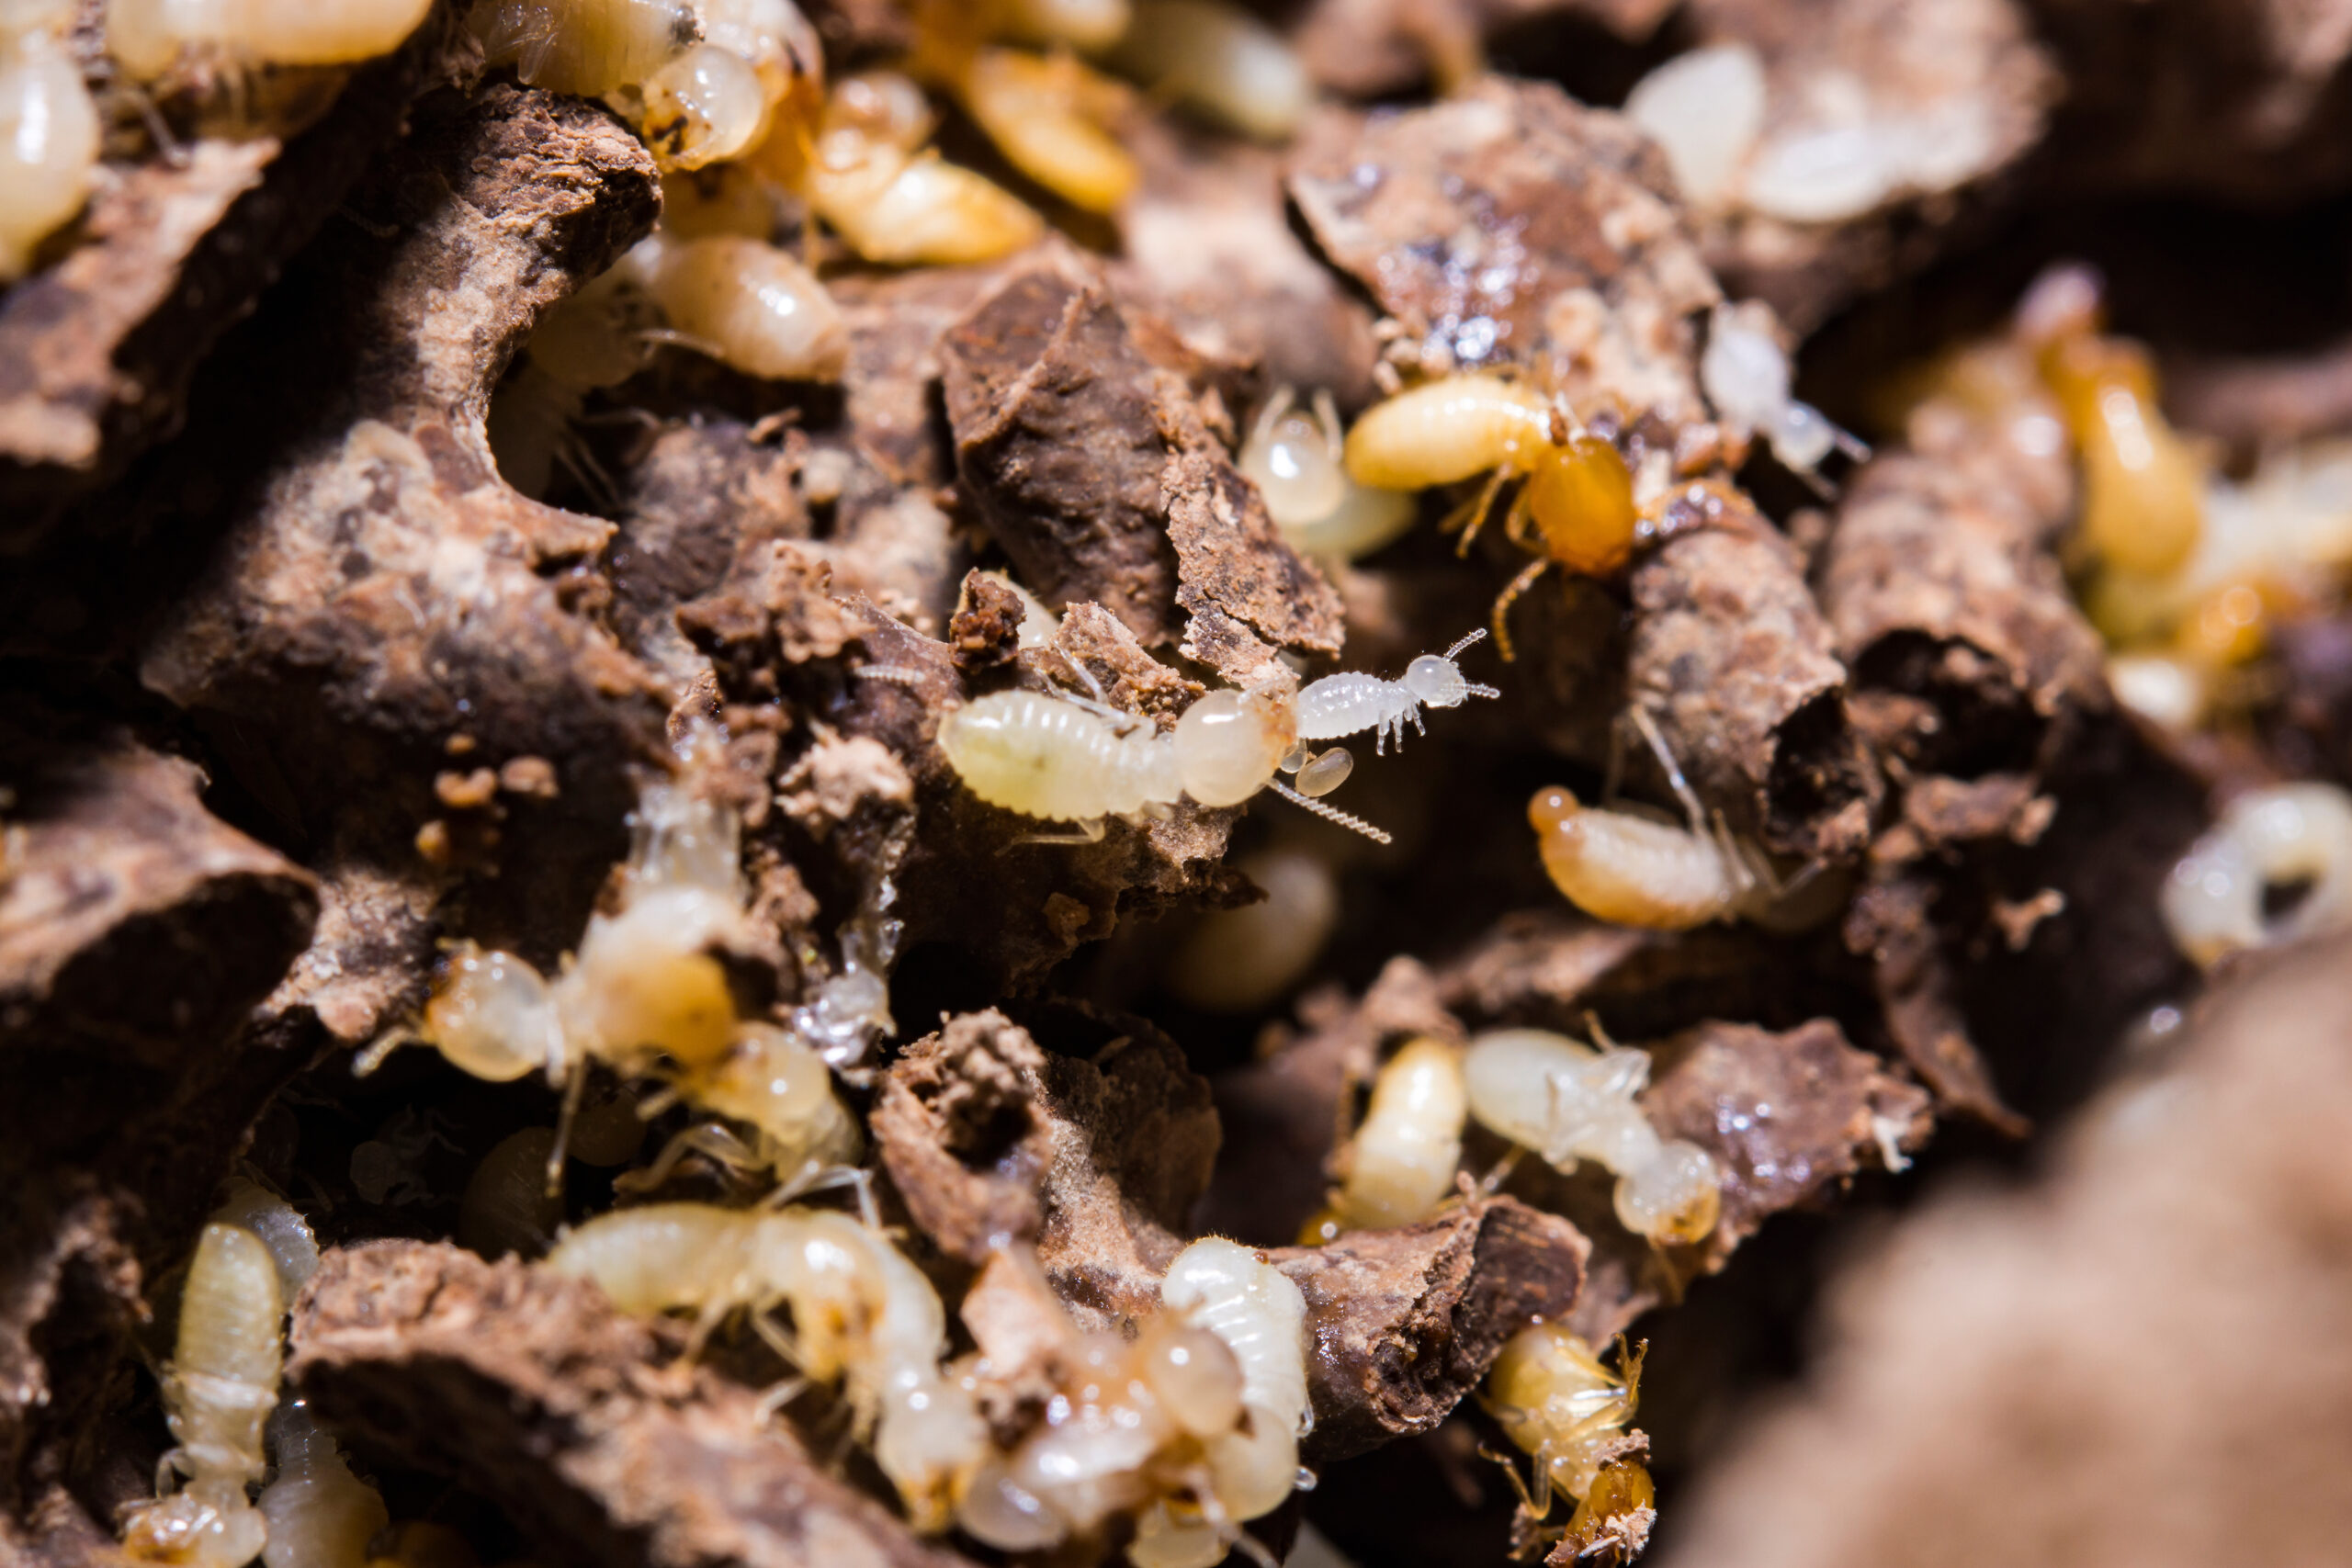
778	1396
1472	517
1093	686
1492	1182
572	1092
1087	832
1641	719
1503	602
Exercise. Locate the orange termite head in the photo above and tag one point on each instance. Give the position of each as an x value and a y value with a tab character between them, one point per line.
1580	495
1553	807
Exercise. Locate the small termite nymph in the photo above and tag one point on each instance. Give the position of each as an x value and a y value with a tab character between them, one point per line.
219	1390
1746	374
745	303
1221	62
1569	1102
320	1516
1556	1401
586	47
1579	495
1638	871
861	1313
1401	1165
2266	840
1294	459
1353	701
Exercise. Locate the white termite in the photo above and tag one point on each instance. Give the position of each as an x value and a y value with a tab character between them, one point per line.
1746	374
319	1514
292	1246
2266	840
1240	960
746	303
1705	110
49	134
1569	1102
1221	61
1355	700
861	1313
218	1390
147	36
586	47
1294	458
1401	1163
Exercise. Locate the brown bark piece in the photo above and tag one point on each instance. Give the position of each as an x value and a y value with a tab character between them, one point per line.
529	1388
2257	401
1733	660
1891	924
1967	76
1406	1322
131	919
1789	1117
1094	470
990	1139
386	581
2134	1360
1537	962
96	352
1508	225
1943	591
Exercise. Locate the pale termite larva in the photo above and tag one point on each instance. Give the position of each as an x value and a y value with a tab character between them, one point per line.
746	303
1219	60
1569	1102
1046	116
1242	960
49	135
644	997
772	35
320	1516
507	1207
1705	110
1401	1165
281	1227
707	104
860	1313
586	47
1294	459
1638	871
2267	840
218	1390
147	36
1088	25
1746	374
1555	1400
1354	701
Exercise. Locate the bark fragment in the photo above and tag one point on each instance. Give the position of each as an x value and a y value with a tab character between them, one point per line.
1094	470
1732	660
531	1388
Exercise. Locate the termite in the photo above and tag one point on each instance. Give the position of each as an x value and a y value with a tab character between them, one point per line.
1556	1401
506	1206
146	38
1240	960
319	1514
1401	1163
2216	900
1069	760
1293	456
644	997
1577	496
1354	701
860	163
1745	375
703	106
49	134
1569	1102
2142	485
1221	61
218	1390
861	1313
1046	115
586	47
745	303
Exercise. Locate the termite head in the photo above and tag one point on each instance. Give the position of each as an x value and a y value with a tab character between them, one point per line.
1554	809
1435	681
1230	743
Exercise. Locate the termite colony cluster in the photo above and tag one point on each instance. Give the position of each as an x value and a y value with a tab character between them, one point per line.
647	640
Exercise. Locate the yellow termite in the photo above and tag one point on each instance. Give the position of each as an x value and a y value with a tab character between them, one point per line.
1047	115
859	160
587	46
1221	61
1556	1401
861	1313
1575	508
1637	872
146	38
49	134
1400	1166
218	1391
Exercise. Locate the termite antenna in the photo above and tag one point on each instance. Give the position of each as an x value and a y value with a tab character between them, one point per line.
1456	651
1330	813
898	674
368	1060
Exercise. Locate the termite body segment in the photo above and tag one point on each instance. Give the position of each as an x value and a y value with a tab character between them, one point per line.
1046	116
49	137
748	304
319	1514
1569	1102
146	36
1401	1166
585	47
861	1313
1294	458
1354	701
218	1391
1636	871
1044	756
